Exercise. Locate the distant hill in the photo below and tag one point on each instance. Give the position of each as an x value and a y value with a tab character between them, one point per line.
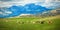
51	13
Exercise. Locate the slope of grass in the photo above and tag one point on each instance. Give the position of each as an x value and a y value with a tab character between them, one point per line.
14	23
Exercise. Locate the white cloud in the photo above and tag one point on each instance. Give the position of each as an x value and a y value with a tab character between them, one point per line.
45	3
1	12
5	13
8	12
25	14
17	2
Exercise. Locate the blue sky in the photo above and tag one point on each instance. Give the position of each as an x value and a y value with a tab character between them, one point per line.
21	5
26	9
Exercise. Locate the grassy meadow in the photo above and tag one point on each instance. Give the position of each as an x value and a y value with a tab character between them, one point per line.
50	23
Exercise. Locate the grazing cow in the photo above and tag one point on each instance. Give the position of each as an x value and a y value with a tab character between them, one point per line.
42	22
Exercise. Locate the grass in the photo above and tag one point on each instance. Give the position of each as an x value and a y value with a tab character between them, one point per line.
14	23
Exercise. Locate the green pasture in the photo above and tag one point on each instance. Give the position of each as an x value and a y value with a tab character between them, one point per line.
27	24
